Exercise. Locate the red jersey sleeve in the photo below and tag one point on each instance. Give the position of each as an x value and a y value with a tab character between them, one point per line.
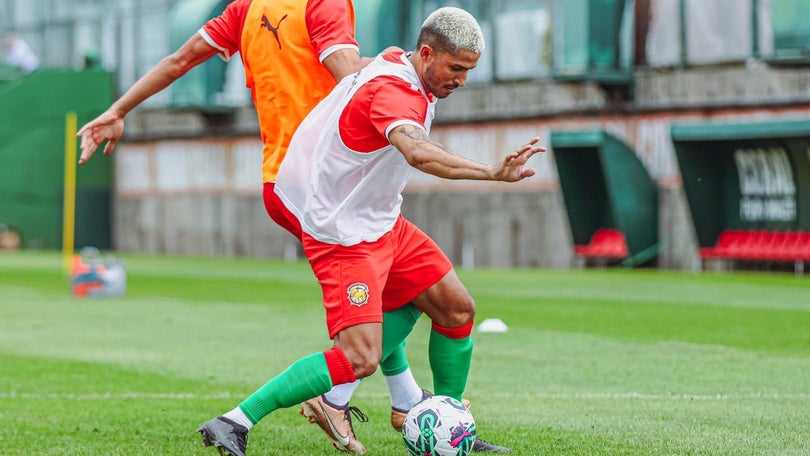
224	32
381	103
331	26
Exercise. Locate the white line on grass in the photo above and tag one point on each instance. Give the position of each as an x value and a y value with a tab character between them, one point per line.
558	396
671	396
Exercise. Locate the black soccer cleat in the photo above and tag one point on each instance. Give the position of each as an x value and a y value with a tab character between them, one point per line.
482	446
229	438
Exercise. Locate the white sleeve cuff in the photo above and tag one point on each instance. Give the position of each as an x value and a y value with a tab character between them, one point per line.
397	123
223	53
331	49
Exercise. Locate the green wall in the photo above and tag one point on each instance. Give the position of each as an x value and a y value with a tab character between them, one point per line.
32	147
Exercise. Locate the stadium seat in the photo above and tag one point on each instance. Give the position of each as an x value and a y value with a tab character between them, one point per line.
803	245
785	246
767	245
752	245
760	245
719	250
607	243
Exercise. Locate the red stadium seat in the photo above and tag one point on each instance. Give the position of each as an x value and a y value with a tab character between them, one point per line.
768	245
803	245
607	243
752	247
783	249
726	245
760	245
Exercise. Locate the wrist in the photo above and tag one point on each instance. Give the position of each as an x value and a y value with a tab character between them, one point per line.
492	173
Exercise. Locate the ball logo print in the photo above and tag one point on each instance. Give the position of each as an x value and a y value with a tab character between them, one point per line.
358	294
459	435
426	421
439	426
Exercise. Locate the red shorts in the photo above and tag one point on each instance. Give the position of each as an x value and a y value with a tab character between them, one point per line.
362	281
279	212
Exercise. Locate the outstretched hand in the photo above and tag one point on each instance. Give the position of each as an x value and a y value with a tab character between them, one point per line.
106	127
511	168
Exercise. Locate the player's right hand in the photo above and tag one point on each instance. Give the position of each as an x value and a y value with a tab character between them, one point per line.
106	127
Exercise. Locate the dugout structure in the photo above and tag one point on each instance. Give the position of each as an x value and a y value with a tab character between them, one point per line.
33	109
609	196
749	180
198	88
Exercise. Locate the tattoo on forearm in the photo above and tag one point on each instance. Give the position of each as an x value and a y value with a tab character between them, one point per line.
418	134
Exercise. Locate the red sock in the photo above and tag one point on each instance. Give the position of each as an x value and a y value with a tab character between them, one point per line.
454	333
340	369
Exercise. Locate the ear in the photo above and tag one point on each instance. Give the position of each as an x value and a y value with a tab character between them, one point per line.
426	53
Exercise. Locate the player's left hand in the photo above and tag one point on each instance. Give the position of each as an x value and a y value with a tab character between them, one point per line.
511	168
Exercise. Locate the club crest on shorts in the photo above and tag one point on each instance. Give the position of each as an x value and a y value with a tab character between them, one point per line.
358	293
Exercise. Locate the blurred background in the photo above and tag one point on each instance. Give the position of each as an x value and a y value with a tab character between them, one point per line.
678	133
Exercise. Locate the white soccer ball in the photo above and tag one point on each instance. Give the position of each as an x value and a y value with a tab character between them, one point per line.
439	426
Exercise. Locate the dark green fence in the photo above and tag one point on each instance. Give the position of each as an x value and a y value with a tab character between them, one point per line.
32	147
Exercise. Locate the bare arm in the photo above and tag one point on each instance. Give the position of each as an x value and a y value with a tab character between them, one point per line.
109	126
429	156
344	62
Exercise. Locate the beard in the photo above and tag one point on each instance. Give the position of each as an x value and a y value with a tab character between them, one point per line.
436	86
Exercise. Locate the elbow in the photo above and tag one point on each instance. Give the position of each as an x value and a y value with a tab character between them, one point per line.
416	160
175	66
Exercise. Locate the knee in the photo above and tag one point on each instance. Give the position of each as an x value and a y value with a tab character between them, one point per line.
362	345
463	312
456	312
447	303
366	365
364	362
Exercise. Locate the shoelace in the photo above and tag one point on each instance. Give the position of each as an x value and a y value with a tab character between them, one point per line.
361	417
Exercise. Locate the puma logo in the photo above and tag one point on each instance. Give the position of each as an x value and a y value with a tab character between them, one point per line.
266	24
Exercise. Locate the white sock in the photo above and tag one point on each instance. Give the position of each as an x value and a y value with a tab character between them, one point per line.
238	416
340	395
404	391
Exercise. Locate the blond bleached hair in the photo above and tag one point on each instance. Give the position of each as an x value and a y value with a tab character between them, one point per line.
451	29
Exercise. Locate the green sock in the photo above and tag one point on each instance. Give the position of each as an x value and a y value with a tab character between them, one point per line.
304	379
396	362
450	362
396	327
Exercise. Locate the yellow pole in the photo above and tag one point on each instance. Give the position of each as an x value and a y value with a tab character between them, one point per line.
69	205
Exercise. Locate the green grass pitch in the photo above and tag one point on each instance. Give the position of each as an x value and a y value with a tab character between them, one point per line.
607	362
